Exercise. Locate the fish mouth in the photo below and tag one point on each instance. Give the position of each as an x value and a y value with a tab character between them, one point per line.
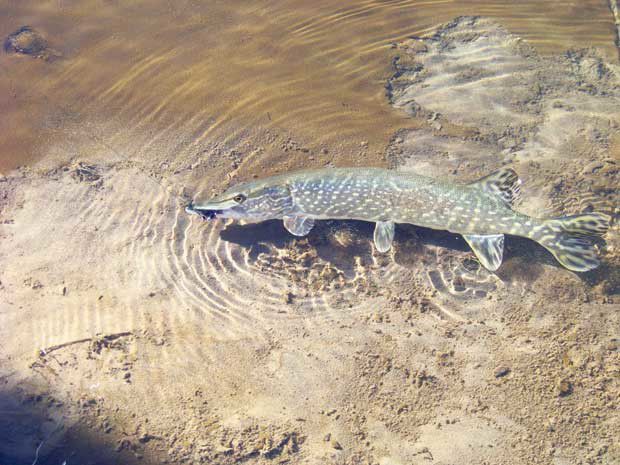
205	214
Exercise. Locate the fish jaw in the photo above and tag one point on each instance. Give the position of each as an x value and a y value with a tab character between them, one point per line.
217	209
205	214
214	209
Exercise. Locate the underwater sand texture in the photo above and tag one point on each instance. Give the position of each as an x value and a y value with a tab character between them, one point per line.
141	334
145	73
555	120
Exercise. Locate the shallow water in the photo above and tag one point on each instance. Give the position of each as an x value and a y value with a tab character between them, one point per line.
141	333
315	70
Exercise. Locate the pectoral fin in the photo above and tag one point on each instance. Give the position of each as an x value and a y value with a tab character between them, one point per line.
298	225
489	249
384	235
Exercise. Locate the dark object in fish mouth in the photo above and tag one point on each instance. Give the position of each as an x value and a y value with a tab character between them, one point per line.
205	214
208	214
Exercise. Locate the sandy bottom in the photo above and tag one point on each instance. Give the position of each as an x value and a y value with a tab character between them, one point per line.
133	333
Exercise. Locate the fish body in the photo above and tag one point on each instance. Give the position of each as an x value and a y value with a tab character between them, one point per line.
481	211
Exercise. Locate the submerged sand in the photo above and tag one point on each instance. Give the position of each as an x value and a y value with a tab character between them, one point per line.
133	333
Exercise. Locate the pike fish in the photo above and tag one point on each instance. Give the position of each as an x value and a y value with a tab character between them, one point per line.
481	211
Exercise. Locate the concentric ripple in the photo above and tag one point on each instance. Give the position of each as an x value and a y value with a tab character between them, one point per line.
233	280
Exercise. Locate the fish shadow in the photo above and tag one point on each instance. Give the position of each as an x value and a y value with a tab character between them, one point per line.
347	243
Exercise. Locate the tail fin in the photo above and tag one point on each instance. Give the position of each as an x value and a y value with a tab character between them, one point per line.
569	239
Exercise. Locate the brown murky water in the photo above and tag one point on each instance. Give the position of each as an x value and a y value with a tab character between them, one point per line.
114	302
185	71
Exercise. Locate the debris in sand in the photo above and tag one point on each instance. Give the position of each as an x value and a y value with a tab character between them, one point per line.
33	283
564	388
29	41
98	341
288	297
85	173
501	371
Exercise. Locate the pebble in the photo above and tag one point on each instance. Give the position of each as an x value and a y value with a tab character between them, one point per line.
501	371
288	297
564	388
144	438
336	445
26	41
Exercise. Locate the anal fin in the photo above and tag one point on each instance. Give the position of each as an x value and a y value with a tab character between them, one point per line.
489	249
384	235
298	225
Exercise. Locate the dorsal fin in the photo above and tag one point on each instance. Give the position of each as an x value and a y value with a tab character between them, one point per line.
504	183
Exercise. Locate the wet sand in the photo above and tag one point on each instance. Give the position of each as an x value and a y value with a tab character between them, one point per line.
133	333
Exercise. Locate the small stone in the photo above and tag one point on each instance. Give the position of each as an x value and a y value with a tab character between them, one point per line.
327	437
336	445
324	151
145	438
564	388
26	41
288	297
501	371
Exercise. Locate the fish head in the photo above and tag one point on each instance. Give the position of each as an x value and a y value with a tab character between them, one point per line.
252	201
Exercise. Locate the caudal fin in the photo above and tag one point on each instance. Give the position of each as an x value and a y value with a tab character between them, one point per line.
569	239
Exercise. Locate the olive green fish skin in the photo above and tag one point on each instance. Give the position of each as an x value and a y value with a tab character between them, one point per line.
481	211
381	195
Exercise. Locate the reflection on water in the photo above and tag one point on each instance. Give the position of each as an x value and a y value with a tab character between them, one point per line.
315	70
113	294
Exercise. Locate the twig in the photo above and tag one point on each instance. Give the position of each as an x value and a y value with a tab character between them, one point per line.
36	453
107	337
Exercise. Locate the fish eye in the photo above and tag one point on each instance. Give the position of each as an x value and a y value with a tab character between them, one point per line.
239	198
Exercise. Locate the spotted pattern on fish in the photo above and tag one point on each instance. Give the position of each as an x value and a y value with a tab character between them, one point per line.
481	211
